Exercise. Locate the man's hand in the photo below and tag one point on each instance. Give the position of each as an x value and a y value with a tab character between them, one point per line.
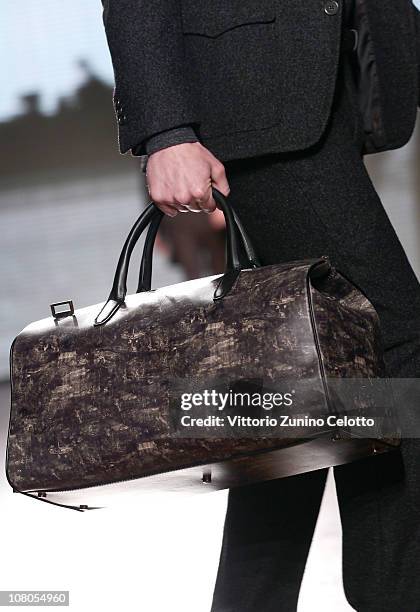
180	178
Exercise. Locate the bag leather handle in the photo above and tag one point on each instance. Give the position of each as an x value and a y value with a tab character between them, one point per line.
145	273
233	261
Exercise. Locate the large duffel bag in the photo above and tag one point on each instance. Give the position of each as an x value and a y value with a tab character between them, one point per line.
97	392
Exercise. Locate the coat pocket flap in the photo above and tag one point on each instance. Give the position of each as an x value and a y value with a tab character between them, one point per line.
213	18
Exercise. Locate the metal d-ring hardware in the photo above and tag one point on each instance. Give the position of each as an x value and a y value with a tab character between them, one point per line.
60	314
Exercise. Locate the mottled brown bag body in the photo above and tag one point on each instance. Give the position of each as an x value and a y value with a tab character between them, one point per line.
91	393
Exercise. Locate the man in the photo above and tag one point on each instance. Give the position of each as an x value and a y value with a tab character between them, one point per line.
276	103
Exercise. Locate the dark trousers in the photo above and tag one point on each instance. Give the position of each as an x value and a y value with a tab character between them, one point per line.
322	202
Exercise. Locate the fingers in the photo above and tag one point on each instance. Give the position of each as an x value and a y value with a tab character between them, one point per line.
169	210
194	199
218	176
161	200
180	179
189	199
202	199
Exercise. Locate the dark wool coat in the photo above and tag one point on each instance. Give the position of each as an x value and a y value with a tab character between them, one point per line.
258	76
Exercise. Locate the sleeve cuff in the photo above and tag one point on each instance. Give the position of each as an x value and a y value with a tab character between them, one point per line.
166	139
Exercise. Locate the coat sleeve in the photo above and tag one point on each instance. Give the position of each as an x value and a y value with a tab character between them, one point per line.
166	139
152	93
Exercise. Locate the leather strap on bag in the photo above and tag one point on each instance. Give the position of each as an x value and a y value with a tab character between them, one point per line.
145	273
235	236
